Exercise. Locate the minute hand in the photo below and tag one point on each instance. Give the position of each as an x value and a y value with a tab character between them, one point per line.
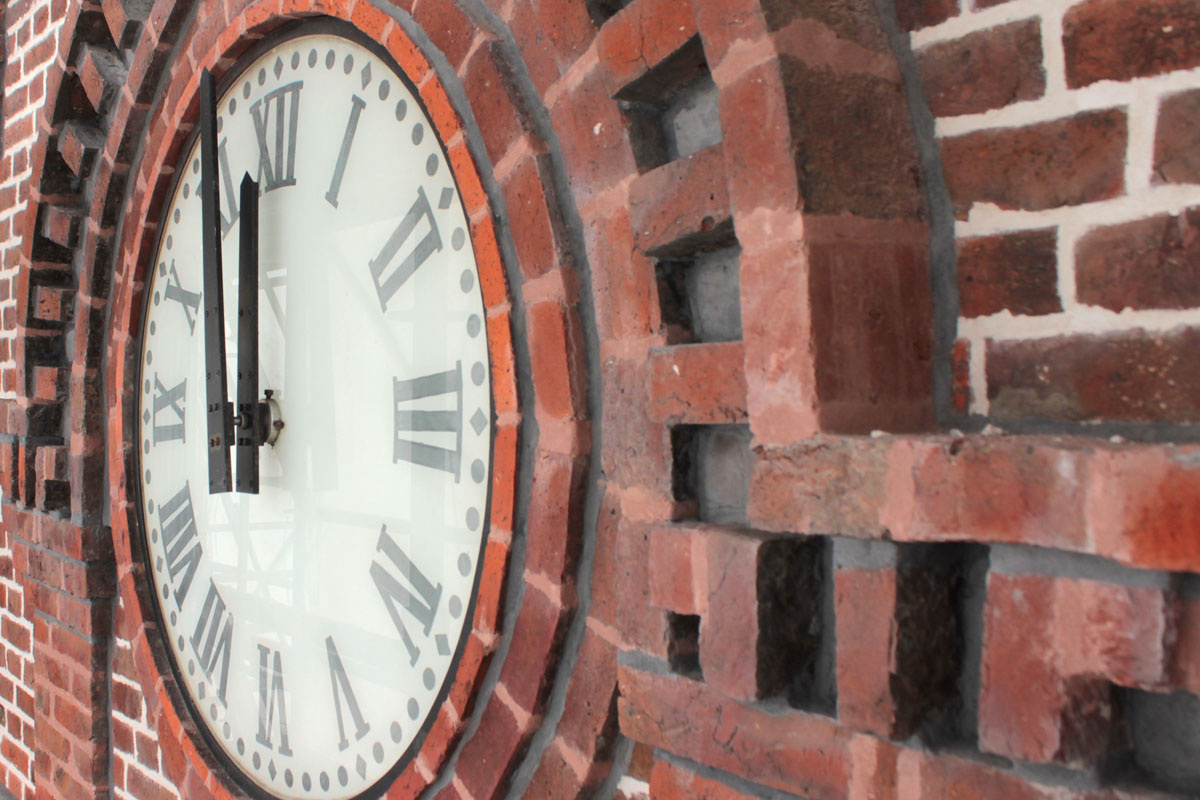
219	409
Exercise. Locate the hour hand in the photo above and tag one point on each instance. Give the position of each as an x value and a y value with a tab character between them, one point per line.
218	408
250	420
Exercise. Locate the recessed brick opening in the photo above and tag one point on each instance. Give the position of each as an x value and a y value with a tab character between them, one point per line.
1162	748
672	109
602	10
796	648
711	467
940	592
700	298
683	644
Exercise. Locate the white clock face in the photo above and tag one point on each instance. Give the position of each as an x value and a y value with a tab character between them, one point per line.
314	625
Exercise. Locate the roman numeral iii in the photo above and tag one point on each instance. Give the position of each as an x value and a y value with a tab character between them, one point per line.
403	586
409	420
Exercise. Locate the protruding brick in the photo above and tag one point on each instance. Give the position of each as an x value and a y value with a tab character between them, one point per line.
698	384
682	206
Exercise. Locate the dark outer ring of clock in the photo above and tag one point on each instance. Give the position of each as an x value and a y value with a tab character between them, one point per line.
213	748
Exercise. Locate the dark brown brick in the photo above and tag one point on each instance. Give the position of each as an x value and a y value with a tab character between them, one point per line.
1130	377
1150	263
1123	39
985	70
853	144
1061	163
914	14
1177	139
1017	272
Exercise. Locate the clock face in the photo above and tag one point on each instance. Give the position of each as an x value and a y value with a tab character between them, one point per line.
314	626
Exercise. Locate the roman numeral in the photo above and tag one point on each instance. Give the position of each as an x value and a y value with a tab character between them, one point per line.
441	421
182	546
189	300
420	601
357	104
430	243
270	698
276	121
173	399
213	638
229	200
341	688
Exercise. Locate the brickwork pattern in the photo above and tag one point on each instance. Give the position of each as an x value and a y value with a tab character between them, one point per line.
1065	127
792	584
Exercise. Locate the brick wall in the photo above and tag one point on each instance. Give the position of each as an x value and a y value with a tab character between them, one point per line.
1067	133
723	243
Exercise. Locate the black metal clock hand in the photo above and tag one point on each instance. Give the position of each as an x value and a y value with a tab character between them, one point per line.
249	420
219	409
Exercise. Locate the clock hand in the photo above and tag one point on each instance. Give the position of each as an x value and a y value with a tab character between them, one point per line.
219	409
250	420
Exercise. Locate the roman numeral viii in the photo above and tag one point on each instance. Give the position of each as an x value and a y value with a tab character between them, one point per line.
169	427
182	546
403	586
389	276
271	700
276	121
213	638
409	420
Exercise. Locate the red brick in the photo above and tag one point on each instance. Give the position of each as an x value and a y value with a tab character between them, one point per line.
1135	376
805	754
865	612
872	333
678	571
588	722
493	106
532	221
914	14
674	207
451	30
729	630
984	70
484	759
556	361
567	28
537	641
536	51
1017	272
637	451
1051	648
759	166
960	377
641	35
555	515
1177	139
623	279
1124	39
593	135
698	384
944	777
872	174
1076	160
555	779
671	782
1150	263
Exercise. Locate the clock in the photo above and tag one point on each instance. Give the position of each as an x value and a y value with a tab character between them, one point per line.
315	255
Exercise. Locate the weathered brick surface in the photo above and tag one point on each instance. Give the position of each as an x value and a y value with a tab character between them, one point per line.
1015	272
1150	263
985	70
1177	139
1123	39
